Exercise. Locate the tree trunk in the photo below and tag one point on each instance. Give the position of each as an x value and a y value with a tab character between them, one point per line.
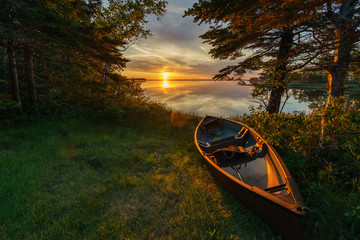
106	68
336	79
29	76
13	75
344	30
338	71
278	84
275	100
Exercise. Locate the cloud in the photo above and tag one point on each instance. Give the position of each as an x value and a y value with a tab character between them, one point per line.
174	46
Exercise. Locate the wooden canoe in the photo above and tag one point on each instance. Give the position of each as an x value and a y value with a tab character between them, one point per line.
253	171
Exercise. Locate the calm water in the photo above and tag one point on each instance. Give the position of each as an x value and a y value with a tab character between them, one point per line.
209	97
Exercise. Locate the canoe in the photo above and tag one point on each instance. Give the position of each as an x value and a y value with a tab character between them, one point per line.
253	171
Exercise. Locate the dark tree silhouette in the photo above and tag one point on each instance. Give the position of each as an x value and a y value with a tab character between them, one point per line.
281	36
71	35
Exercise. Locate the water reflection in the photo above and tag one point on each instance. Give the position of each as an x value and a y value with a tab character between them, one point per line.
209	97
316	98
165	84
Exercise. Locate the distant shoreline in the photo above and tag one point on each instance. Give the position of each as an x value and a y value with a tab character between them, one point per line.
158	80
353	88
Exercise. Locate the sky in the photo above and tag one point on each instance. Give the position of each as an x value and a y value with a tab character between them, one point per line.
174	47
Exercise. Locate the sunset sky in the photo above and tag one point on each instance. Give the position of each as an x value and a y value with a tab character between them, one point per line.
174	47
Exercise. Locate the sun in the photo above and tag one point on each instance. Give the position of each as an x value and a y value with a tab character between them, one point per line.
165	75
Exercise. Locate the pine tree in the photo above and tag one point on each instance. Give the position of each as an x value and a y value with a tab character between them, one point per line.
255	31
324	32
9	29
72	36
344	17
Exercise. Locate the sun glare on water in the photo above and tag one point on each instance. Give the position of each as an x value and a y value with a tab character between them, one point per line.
165	84
165	76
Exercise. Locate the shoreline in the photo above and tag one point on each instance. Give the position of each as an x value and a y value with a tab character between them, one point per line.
349	87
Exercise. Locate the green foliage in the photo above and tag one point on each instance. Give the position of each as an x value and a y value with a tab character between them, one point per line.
8	109
341	114
308	77
332	155
275	78
354	68
6	103
2	67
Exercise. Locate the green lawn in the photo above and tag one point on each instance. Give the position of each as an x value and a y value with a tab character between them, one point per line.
89	177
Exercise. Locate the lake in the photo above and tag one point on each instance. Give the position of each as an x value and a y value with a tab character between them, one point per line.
218	98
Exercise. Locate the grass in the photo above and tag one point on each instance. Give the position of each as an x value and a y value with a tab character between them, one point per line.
81	177
134	173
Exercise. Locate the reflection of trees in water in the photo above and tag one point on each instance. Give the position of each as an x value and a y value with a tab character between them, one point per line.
316	98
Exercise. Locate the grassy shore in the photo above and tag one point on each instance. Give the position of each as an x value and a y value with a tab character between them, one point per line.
81	177
136	174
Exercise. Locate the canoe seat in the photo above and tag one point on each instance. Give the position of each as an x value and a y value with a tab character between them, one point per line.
238	139
237	155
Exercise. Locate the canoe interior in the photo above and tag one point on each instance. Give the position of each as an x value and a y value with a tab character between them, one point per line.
261	172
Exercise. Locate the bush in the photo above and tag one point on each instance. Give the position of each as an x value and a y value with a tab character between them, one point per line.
327	138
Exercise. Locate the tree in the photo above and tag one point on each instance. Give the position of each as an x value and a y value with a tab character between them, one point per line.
9	26
292	34
354	68
345	20
30	77
261	31
72	36
13	74
332	29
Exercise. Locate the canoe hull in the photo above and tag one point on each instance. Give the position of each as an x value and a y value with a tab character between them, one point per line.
280	219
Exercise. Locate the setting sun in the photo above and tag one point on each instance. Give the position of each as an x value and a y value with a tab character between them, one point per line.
165	75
